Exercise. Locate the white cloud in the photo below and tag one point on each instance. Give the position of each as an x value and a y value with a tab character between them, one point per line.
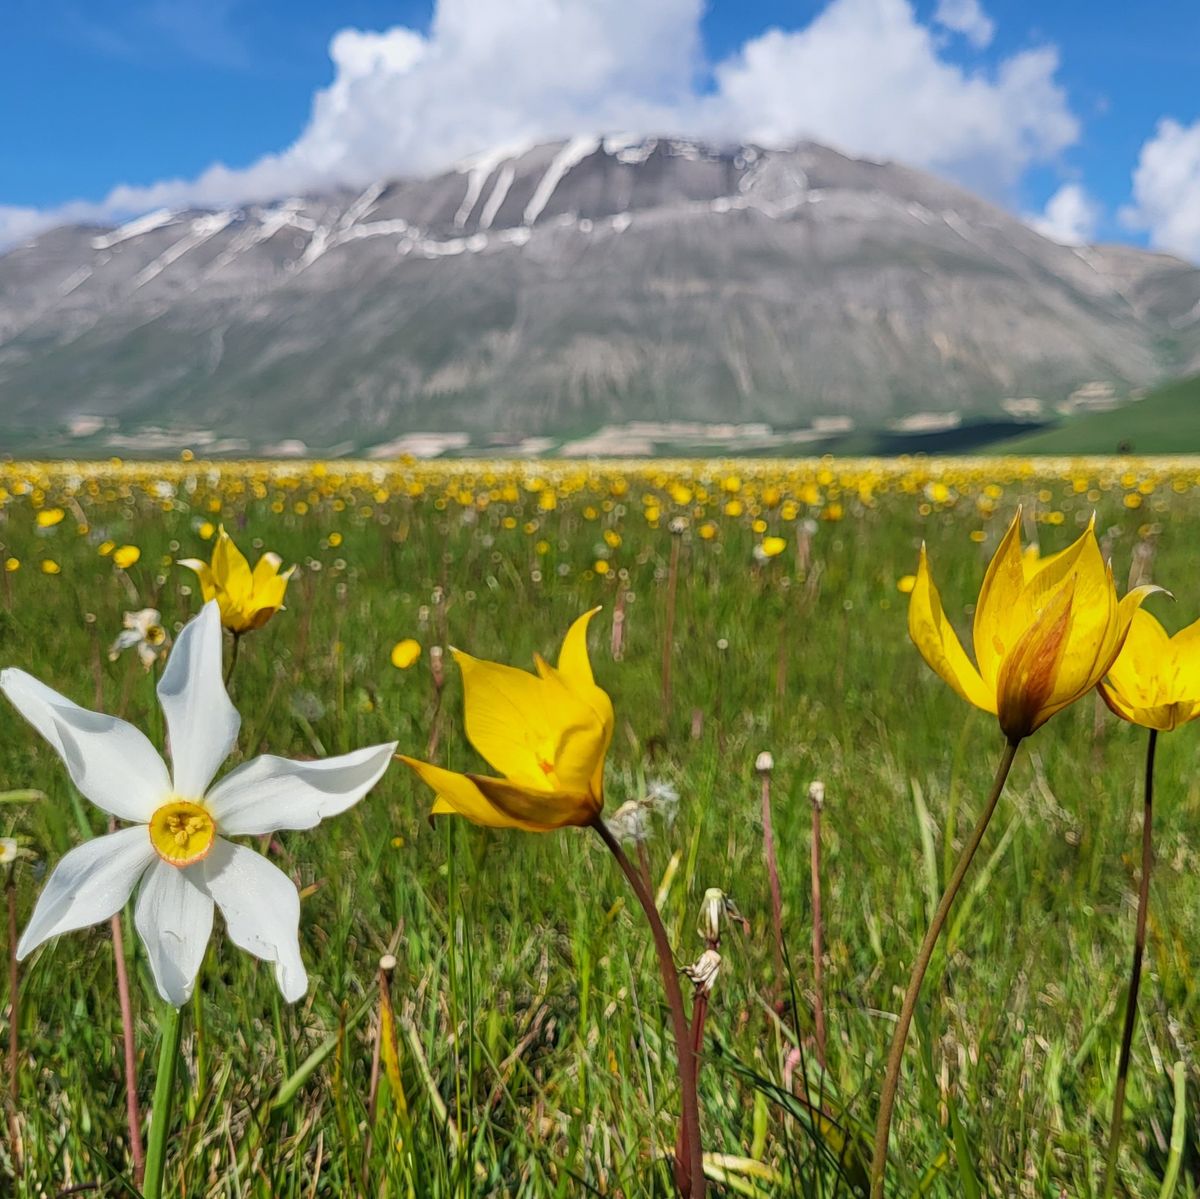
1166	189
864	75
1070	216
867	77
968	18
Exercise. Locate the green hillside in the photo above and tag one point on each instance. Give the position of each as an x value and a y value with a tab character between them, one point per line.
1167	421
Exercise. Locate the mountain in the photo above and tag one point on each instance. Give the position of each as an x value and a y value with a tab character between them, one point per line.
643	288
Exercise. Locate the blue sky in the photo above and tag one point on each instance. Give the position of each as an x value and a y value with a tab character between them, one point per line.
108	94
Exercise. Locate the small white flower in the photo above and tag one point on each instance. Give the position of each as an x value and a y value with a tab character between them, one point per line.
143	629
173	847
764	763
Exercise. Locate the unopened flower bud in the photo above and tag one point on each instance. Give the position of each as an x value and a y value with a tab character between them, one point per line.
435	666
816	794
387	963
712	908
678	525
704	973
764	763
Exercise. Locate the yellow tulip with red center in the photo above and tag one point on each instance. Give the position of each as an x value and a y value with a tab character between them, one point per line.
545	734
247	598
1155	681
1046	630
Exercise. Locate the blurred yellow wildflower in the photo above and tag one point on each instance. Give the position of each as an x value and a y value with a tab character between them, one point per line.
126	556
405	653
47	518
546	734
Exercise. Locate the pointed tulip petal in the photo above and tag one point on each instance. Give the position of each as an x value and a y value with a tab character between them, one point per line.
110	761
1001	589
174	917
934	636
91	883
459	794
1027	697
202	723
269	793
546	809
532	729
261	907
207	587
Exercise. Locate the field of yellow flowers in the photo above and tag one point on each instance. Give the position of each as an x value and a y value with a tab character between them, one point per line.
484	1012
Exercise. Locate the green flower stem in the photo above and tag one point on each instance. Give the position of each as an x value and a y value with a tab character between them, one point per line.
1135	976
170	1030
689	1164
891	1079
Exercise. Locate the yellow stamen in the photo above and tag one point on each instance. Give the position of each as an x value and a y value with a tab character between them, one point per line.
182	832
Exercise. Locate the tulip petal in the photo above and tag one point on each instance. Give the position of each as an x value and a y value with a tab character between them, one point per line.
202	723
1185	653
999	592
530	728
547	809
204	571
1137	675
261	907
91	882
269	793
573	662
934	636
110	761
459	794
231	571
174	917
1030	670
575	672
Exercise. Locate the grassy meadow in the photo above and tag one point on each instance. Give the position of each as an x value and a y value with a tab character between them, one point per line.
533	1053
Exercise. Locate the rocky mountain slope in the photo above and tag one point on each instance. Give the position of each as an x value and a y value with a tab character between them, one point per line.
560	288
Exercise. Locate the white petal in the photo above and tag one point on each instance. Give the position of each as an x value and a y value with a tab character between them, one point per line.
261	907
174	917
203	724
110	761
270	793
91	883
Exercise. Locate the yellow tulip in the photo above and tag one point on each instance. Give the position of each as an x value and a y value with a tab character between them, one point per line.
1155	681
546	734
247	599
1047	630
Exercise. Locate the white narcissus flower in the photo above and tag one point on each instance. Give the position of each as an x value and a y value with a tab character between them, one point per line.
174	846
143	629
